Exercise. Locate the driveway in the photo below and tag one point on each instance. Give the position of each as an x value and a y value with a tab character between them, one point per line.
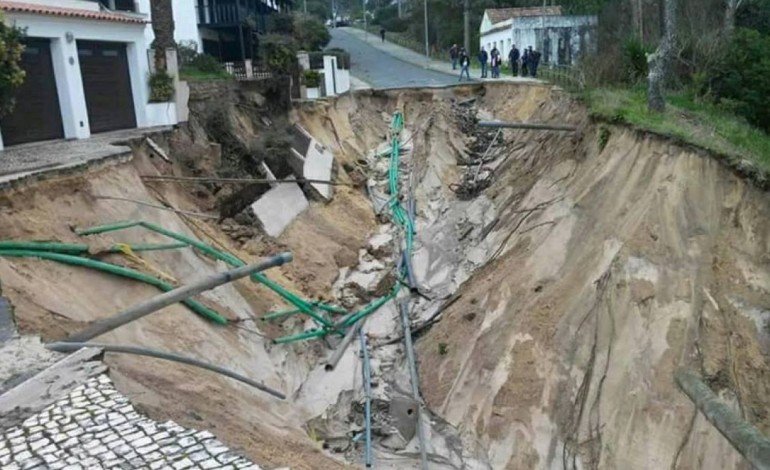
381	69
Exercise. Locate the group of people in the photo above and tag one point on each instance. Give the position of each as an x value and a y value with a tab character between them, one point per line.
492	61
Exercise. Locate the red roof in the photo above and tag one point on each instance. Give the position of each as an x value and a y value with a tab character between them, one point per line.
19	7
498	15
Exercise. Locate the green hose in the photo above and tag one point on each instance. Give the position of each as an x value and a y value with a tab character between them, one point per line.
303	305
81	248
193	305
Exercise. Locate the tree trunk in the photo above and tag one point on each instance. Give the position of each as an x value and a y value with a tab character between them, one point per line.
731	8
163	26
660	60
467	25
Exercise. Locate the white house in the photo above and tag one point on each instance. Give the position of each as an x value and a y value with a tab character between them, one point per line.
561	39
87	68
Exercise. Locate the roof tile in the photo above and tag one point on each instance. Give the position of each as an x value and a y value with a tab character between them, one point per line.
19	7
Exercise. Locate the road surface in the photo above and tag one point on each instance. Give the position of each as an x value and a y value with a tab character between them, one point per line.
382	70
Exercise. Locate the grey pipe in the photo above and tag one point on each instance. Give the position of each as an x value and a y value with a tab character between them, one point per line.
527	125
403	308
334	359
367	377
742	435
181	293
70	347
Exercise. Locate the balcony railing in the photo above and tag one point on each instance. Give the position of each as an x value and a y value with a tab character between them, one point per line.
247	71
228	13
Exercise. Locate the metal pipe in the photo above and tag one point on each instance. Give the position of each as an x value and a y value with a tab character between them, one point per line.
192	179
742	435
367	376
404	309
181	293
70	347
527	125
334	359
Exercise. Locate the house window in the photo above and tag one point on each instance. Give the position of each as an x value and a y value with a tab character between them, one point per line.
119	5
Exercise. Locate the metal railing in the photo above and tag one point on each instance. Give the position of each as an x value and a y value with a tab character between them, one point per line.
247	71
565	76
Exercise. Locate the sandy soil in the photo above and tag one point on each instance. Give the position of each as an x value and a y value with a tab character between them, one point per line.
587	276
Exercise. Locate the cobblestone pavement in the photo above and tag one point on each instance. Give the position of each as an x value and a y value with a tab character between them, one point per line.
95	427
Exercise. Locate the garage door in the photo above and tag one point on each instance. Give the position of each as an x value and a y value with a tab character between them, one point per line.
36	115
107	85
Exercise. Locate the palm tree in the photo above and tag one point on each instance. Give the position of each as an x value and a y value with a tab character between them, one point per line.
163	26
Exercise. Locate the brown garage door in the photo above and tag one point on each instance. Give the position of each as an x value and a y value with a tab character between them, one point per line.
36	115
107	85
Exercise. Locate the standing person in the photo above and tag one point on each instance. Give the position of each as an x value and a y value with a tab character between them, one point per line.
495	54
382	34
534	61
483	59
454	53
525	63
465	63
513	60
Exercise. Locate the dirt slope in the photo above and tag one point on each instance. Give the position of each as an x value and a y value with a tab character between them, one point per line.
617	267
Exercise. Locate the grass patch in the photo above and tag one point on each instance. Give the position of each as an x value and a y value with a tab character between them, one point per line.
191	74
690	121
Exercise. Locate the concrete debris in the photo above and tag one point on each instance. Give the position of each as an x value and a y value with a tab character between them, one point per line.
278	207
157	150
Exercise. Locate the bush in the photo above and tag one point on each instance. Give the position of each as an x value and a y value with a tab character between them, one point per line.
742	80
312	78
206	63
281	23
311	33
279	53
343	57
186	51
635	59
161	87
396	25
11	73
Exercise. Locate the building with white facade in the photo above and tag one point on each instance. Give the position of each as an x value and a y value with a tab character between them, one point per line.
87	65
561	39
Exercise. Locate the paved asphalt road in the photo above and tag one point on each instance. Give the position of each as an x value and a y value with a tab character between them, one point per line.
381	70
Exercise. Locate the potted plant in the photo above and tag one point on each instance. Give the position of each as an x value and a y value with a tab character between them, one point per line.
312	84
161	87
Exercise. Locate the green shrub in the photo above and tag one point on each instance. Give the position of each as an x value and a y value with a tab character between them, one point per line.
396	25
161	87
635	59
206	63
281	23
311	33
186	51
11	73
279	53
742	81
312	78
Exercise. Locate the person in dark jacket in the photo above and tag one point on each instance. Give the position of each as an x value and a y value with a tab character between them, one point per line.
534	61
483	59
454	53
382	34
525	63
495	62
465	63
513	60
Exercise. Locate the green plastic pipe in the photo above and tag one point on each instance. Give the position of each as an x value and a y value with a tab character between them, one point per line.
194	305
300	336
304	306
79	248
280	314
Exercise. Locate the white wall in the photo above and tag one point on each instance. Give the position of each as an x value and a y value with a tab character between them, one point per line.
66	64
185	21
499	37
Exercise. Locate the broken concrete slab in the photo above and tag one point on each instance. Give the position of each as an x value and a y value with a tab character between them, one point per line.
311	160
278	207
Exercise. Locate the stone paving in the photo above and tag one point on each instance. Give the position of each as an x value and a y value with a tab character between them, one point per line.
95	427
